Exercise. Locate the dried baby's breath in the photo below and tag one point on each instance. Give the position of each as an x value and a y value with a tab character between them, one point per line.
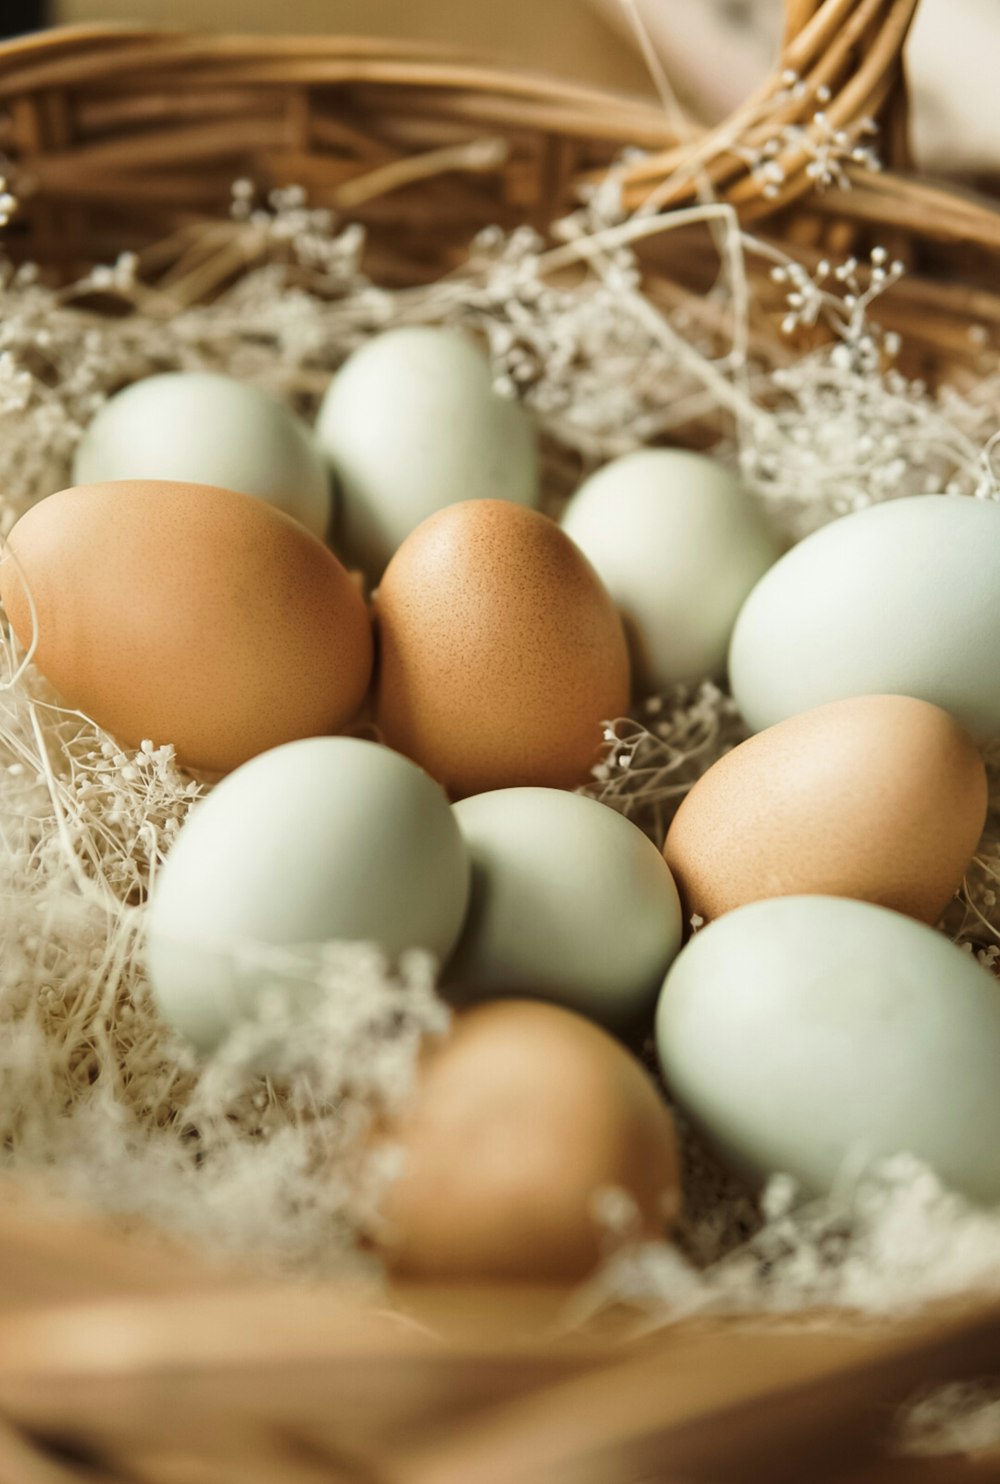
653	759
888	1240
962	1417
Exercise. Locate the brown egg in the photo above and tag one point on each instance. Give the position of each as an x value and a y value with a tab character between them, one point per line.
501	651
521	1117
188	614
882	798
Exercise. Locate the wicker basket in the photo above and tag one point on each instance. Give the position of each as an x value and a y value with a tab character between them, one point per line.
122	1360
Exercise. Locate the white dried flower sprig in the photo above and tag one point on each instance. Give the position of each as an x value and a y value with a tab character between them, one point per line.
836	295
830	151
8	203
961	1417
888	1239
650	764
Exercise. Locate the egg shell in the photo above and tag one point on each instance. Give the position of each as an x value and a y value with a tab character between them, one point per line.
812	1035
522	1117
877	797
330	838
187	615
501	652
570	902
200	427
902	597
411	423
678	543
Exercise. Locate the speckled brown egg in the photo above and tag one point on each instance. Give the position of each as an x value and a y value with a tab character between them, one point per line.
881	798
187	614
521	1118
501	651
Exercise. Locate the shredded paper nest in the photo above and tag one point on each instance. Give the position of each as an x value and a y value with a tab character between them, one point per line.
96	1095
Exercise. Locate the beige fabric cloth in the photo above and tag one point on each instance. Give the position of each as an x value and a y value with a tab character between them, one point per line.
556	35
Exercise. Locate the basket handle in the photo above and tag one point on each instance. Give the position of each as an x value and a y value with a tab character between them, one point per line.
837	93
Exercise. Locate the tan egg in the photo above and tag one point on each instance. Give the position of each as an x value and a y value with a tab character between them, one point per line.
501	651
521	1117
881	798
188	614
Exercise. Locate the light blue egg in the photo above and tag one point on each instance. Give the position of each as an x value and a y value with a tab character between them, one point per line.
199	427
570	903
901	598
411	423
814	1035
320	840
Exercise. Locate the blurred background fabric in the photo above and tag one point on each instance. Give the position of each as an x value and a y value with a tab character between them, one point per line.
565	36
715	51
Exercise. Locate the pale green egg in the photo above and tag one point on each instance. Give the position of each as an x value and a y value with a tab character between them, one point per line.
411	423
199	427
325	839
898	599
814	1035
678	543
570	903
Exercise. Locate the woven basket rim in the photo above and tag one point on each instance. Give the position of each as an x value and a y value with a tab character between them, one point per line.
156	47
